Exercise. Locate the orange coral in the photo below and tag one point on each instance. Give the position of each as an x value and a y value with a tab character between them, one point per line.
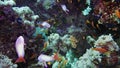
117	13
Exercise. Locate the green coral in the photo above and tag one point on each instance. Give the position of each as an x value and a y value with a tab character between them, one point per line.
5	62
40	31
47	3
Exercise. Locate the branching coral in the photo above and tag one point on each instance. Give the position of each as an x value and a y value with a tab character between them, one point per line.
46	3
107	40
102	40
66	40
88	2
5	62
70	58
40	31
86	61
26	14
7	2
60	64
55	41
90	40
86	11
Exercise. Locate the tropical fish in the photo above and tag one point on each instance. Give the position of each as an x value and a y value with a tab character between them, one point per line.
45	58
64	8
45	45
117	12
101	50
19	45
45	24
19	20
33	56
56	57
49	63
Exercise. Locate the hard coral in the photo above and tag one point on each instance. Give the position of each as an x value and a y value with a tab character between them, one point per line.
5	62
7	2
26	14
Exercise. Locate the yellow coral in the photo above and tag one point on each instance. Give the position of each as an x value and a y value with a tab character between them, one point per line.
73	41
62	63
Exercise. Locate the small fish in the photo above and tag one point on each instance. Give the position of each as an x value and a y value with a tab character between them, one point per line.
33	56
117	12
64	8
19	20
45	24
69	1
101	50
19	45
56	57
45	44
93	24
45	58
49	63
90	24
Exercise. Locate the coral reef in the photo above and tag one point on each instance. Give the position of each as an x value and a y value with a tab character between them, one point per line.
94	58
67	33
111	55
